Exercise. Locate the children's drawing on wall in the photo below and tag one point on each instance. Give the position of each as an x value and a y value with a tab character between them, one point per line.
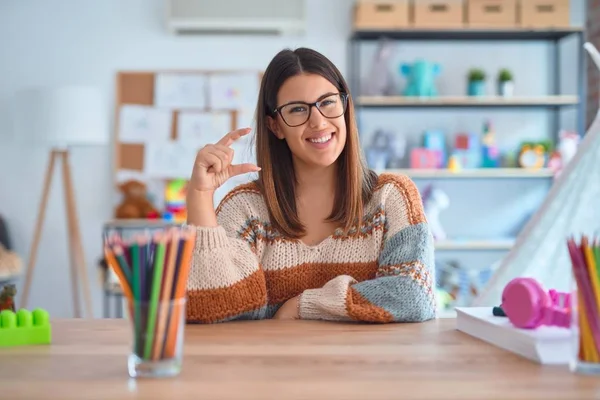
233	91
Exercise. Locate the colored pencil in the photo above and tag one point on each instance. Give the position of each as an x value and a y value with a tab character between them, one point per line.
585	262
178	295
153	272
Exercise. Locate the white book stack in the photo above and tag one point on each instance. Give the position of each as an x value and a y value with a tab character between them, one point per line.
544	345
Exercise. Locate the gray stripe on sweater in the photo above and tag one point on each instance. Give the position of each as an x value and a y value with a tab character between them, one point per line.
404	298
413	243
400	295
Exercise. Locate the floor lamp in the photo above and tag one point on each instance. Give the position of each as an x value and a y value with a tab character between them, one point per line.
61	119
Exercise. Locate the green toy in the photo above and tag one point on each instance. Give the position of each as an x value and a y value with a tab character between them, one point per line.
421	78
24	327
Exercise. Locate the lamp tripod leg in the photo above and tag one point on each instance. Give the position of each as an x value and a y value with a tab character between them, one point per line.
78	265
37	232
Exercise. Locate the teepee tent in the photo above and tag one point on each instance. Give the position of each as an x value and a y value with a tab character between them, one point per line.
572	207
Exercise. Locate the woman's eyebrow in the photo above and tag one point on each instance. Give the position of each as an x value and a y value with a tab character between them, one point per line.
321	97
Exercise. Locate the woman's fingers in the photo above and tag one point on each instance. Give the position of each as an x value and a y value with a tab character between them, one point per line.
223	155
213	162
232	136
239	169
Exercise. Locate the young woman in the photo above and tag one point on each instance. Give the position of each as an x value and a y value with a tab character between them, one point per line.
317	235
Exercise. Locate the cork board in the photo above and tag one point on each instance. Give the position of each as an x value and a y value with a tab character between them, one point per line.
138	88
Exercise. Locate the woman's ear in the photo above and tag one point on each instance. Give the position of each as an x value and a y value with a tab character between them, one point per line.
274	127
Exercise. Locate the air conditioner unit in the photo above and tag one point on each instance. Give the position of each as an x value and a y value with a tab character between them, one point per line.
273	17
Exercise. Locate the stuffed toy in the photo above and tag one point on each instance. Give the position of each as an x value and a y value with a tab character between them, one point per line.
135	204
10	263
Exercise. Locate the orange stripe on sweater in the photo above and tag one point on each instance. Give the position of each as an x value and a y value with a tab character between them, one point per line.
409	192
246	295
250	187
289	282
361	309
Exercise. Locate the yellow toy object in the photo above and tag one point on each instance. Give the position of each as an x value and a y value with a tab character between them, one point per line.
532	156
175	194
454	164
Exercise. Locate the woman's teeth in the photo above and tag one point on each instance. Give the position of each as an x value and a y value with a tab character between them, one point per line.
323	139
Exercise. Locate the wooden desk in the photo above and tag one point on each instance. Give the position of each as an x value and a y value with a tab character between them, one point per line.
281	360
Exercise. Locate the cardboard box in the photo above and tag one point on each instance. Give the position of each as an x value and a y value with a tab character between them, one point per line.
544	13
439	14
381	14
492	13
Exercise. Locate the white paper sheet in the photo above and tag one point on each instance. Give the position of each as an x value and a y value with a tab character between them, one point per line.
144	124
199	128
169	159
229	91
173	90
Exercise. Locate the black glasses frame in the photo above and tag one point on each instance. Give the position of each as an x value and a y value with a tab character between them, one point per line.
316	104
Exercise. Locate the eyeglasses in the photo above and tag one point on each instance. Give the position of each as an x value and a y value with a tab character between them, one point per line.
297	113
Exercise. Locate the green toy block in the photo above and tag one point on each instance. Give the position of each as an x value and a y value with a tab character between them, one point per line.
24	327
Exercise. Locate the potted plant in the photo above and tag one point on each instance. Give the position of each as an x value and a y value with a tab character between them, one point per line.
505	83
476	85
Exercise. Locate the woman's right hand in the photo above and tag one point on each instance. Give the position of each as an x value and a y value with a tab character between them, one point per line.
213	166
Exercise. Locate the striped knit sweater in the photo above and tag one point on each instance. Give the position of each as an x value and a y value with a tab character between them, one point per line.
383	272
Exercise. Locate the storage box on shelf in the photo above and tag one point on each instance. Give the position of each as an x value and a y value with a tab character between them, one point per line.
438	14
544	14
373	14
491	13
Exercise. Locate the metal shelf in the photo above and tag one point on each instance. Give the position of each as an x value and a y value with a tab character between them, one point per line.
484	244
467	34
487	173
467	101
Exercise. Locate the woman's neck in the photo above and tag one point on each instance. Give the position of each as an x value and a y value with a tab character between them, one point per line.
315	179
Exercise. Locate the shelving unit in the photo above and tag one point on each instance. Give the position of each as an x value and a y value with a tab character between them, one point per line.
555	102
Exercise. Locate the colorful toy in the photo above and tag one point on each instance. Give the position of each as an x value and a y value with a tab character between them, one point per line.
454	163
378	151
420	78
397	151
436	141
7	297
490	157
175	194
532	155
528	306
566	149
422	158
24	328
468	150
434	201
567	145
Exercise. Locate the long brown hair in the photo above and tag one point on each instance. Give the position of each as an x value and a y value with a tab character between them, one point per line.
277	180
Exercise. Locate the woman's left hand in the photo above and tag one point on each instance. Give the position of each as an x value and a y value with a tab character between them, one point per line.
289	309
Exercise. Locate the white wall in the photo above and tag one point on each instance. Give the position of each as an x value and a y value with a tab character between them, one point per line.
87	42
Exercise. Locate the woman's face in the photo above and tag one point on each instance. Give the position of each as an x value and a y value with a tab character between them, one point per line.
315	137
